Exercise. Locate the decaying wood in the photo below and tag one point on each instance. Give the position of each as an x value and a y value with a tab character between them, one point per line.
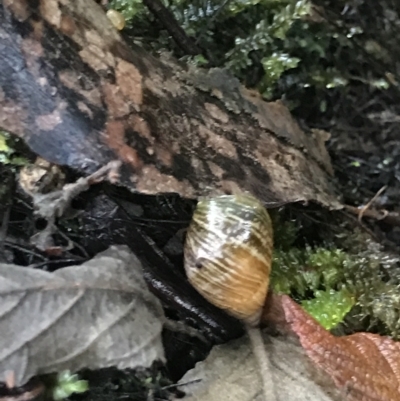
80	97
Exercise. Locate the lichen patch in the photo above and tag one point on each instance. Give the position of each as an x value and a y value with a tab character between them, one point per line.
163	155
151	181
67	25
141	126
115	138
48	122
51	12
219	143
13	116
94	51
216	170
129	79
71	80
117	107
32	51
216	112
19	8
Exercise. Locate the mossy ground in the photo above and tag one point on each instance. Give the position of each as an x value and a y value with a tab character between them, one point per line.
342	272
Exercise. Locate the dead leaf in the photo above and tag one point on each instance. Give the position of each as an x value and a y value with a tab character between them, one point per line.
230	374
95	315
359	367
365	366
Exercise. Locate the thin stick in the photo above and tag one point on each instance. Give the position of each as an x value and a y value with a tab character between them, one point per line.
182	328
263	362
392	218
370	203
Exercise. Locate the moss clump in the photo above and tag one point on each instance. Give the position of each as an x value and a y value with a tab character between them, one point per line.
301	271
288	49
330	278
68	384
316	278
329	307
129	8
8	154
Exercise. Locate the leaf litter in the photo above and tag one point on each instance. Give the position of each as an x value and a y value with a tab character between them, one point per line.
308	363
230	374
94	315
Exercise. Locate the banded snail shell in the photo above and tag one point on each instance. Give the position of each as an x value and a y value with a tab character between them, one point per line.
228	254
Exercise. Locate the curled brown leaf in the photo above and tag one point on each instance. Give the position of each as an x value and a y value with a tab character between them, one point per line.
365	366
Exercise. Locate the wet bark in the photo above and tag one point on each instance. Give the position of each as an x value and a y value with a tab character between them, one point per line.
79	96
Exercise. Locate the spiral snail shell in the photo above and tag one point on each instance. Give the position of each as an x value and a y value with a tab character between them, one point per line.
228	253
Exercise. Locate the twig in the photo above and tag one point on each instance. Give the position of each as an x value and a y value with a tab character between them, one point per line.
14	245
211	20
363	226
74	260
391	218
52	205
175	385
75	244
363	209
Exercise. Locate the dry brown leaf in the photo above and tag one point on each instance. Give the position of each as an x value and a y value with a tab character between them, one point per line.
365	366
94	315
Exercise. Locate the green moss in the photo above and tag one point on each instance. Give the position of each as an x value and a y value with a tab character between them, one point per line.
329	307
128	8
376	283
317	278
301	271
331	277
305	54
7	152
68	384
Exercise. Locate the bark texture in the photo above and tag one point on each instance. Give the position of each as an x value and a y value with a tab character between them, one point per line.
80	97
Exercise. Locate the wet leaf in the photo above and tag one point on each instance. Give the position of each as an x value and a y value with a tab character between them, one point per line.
365	366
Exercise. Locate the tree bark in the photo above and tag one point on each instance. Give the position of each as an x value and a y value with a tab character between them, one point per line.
80	97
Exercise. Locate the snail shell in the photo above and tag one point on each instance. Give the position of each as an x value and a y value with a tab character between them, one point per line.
228	253
116	18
